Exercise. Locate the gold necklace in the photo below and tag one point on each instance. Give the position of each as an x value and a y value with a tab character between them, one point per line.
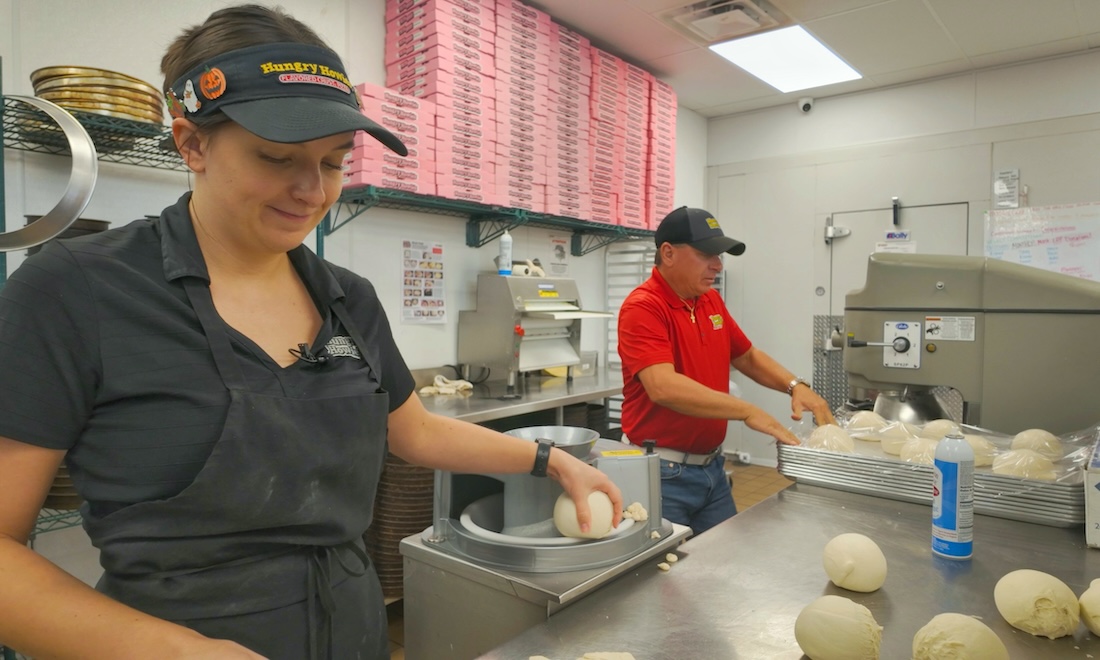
691	307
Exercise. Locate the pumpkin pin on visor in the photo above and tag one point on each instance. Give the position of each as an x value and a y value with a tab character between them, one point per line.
282	92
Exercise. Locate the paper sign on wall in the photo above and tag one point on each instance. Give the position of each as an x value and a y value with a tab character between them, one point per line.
422	276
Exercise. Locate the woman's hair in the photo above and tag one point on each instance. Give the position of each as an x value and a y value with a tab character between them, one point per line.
230	29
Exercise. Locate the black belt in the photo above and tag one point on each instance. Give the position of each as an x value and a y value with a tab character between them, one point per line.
684	458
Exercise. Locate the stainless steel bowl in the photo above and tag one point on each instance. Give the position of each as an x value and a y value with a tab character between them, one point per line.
913	405
572	439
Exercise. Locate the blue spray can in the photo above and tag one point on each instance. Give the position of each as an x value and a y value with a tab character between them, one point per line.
953	498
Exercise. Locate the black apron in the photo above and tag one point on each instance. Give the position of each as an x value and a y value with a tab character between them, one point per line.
265	546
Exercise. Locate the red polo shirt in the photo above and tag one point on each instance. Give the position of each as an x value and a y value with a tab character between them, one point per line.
655	326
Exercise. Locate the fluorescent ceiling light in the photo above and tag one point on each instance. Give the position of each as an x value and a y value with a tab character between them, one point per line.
788	59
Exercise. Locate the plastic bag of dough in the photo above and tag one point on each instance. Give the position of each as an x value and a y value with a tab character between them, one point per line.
1043	442
830	438
938	428
921	451
984	450
895	435
865	424
1024	463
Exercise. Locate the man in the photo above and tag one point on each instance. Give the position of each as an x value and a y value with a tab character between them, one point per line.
677	341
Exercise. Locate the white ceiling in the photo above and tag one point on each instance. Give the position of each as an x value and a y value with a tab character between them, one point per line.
888	41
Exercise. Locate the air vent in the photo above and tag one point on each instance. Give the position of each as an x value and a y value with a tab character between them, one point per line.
714	21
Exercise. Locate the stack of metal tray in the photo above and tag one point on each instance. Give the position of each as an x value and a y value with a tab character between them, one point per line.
1058	503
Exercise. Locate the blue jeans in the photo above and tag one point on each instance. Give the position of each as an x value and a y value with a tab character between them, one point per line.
699	497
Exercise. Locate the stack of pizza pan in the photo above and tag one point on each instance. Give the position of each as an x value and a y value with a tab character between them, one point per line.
100	92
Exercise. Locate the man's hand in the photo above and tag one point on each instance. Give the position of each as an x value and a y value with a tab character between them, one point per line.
758	420
804	399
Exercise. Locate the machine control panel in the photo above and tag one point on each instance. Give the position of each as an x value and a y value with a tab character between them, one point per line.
902	341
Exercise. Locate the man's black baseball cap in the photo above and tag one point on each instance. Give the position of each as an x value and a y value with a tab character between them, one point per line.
696	228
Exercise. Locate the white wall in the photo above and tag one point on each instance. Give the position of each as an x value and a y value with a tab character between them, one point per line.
776	174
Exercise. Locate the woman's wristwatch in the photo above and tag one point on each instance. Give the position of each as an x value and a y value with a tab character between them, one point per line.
795	383
542	459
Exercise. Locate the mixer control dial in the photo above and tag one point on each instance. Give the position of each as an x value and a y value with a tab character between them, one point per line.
901	344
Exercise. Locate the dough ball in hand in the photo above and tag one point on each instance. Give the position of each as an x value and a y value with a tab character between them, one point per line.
1025	463
1037	603
1043	442
830	437
836	628
565	516
854	562
952	636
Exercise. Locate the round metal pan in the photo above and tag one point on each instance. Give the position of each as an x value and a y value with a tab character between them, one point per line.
78	192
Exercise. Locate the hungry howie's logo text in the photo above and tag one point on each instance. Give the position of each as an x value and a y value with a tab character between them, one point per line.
320	74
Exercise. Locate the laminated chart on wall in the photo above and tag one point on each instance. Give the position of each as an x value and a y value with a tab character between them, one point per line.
1063	238
422	278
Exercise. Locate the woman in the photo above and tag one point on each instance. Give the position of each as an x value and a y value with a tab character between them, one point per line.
223	398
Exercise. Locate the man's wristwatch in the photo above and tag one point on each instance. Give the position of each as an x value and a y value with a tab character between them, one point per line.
795	383
542	459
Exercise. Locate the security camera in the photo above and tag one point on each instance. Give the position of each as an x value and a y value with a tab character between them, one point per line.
805	104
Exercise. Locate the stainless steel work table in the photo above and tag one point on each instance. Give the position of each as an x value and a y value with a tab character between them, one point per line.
538	393
738	588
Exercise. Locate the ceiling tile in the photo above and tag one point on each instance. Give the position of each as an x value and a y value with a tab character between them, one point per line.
659	6
807	10
887	37
937	70
993	26
619	28
1088	14
701	78
1030	52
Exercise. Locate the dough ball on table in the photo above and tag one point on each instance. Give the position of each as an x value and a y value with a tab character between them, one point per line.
938	428
836	628
867	422
896	435
1090	607
830	437
1044	442
1037	603
952	636
565	516
919	450
1024	463
854	562
984	450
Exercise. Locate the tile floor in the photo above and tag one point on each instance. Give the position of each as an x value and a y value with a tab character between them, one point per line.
752	484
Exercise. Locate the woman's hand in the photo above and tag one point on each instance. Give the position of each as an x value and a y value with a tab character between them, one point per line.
205	648
578	479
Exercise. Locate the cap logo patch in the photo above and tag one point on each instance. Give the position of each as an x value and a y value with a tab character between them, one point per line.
308	72
190	100
712	223
175	108
212	83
